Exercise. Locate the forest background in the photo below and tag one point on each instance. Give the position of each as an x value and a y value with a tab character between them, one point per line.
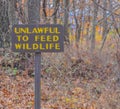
85	76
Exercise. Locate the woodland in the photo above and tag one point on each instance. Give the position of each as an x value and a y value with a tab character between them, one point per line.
85	76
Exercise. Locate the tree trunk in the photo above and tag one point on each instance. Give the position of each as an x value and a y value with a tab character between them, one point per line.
34	11
105	20
113	19
66	19
88	28
26	11
56	3
79	29
94	23
34	18
11	12
4	22
105	25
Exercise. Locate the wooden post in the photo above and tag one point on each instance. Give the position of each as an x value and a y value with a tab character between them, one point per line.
37	80
34	18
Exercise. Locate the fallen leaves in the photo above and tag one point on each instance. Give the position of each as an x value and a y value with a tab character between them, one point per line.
66	83
14	93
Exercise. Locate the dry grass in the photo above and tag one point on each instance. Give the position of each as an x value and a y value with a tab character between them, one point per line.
75	79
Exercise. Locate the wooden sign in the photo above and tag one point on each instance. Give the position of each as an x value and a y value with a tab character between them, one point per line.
38	38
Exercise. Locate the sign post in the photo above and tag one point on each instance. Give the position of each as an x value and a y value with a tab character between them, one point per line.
38	38
37	80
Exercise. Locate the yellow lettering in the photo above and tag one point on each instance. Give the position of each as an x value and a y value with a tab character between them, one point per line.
25	38
49	38
55	38
35	46
41	47
23	46
18	46
47	46
45	30
27	47
34	30
57	46
23	30
19	37
51	30
16	31
57	31
51	46
40	30
36	38
42	38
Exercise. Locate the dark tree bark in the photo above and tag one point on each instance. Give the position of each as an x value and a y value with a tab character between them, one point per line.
94	23
34	11
105	20
66	18
44	8
56	6
34	18
4	21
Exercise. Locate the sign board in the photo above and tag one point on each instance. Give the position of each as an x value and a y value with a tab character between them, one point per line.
38	38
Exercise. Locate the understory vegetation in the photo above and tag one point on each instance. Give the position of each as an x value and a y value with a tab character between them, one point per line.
76	79
85	76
